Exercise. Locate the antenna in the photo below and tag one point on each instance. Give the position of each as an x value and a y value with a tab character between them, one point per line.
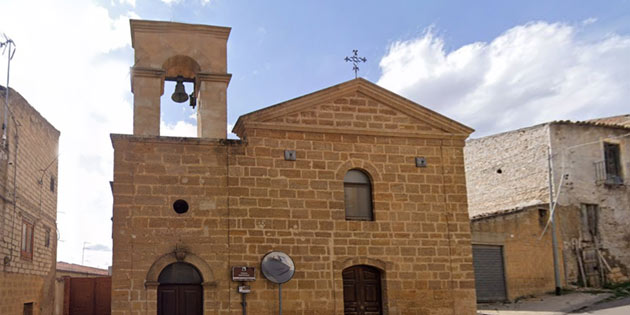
8	46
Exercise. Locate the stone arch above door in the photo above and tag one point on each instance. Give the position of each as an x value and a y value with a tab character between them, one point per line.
362	260
180	255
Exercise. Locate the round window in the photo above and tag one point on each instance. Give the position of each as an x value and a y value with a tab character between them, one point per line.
180	206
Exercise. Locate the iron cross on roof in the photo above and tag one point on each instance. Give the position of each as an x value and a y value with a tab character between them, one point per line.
355	61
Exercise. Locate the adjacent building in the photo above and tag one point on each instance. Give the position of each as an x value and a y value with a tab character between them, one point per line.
82	290
363	189
28	208
508	178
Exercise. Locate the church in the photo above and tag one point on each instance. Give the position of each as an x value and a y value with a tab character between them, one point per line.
357	193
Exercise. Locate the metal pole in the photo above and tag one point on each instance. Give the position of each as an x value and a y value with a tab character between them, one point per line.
554	240
280	298
244	300
244	303
10	54
83	253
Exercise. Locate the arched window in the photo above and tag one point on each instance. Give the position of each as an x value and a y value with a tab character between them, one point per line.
357	190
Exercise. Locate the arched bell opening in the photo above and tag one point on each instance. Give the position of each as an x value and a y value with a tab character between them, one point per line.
180	291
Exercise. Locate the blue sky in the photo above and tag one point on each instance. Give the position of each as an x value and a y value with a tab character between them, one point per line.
283	49
492	65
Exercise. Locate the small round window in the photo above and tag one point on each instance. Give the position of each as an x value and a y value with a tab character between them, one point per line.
180	206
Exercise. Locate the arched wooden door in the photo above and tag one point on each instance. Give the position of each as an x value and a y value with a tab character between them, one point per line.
180	291
362	291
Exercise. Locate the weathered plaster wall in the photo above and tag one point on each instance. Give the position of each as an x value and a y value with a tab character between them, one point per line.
576	149
508	170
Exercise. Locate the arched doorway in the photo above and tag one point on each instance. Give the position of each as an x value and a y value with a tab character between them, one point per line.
180	291
362	290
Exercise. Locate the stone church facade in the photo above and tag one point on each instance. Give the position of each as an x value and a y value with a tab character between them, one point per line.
186	210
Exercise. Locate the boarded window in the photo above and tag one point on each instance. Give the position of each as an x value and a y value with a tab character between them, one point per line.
590	218
27	240
358	196
613	164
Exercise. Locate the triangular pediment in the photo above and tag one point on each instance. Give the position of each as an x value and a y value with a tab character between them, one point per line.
357	105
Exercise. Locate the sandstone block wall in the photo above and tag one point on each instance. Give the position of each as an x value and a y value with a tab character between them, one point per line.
246	200
27	165
528	260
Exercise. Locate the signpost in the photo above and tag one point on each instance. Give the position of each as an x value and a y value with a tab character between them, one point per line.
243	274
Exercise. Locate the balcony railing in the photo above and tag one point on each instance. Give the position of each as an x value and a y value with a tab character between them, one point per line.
603	177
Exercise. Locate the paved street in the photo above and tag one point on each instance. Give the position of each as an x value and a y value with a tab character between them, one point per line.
616	307
573	303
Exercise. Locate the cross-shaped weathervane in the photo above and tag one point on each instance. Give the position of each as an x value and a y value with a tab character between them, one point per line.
355	61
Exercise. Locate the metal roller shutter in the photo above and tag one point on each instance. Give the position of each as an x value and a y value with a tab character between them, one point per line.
489	273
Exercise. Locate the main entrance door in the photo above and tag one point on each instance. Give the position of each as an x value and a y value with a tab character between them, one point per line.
362	291
180	291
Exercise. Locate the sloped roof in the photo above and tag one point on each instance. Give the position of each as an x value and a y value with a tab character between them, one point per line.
621	120
353	86
67	267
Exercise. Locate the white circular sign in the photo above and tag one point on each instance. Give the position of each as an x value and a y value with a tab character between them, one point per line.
277	267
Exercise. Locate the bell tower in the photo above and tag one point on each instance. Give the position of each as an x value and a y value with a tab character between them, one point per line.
182	53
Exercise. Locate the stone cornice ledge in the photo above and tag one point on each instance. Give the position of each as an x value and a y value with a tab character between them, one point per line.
147	72
355	131
165	27
173	140
214	77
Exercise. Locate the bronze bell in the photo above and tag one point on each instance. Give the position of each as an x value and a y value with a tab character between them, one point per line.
179	96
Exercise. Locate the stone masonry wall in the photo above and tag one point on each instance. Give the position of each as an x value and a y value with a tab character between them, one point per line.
420	238
507	170
26	167
528	260
576	150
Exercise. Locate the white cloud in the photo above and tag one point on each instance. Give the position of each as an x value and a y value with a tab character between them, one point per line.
178	129
64	68
170	2
589	21
231	135
532	73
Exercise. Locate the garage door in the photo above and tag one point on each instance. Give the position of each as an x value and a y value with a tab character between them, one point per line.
489	273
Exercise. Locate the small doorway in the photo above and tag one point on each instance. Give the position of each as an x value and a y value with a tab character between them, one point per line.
362	291
180	291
